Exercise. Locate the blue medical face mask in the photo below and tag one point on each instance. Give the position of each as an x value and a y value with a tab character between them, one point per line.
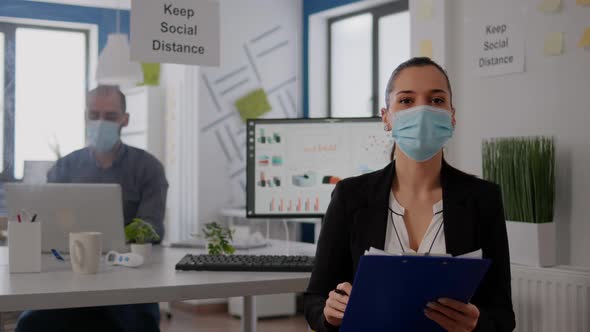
422	131
102	135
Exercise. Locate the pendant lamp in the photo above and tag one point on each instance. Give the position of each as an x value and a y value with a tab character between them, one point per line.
114	64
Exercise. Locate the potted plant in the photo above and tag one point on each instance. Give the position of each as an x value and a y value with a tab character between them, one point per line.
524	168
218	239
141	235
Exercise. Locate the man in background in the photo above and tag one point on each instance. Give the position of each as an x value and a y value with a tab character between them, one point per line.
144	187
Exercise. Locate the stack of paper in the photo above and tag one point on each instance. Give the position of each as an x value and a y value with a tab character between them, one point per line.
377	252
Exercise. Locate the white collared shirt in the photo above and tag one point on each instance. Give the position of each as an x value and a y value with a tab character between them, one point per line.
434	236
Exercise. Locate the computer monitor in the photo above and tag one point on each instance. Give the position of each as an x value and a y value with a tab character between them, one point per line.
67	207
293	165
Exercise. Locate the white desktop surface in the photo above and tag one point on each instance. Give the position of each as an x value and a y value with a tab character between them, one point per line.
58	287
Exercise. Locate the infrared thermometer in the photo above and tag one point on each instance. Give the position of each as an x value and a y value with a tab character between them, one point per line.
127	259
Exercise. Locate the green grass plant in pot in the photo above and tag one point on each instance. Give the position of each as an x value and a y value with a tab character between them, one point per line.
524	167
140	235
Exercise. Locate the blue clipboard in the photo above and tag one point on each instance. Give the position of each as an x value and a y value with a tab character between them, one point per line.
390	293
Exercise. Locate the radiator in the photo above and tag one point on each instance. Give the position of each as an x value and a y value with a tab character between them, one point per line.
551	299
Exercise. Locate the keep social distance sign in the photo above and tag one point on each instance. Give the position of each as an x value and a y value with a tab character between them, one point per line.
175	31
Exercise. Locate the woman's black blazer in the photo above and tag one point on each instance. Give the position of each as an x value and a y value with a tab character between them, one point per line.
356	219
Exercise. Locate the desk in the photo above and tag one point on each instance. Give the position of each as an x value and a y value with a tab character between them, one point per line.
240	213
59	287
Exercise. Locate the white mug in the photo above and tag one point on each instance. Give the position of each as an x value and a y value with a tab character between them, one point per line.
85	250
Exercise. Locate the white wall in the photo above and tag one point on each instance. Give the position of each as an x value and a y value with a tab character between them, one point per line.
549	98
248	30
433	28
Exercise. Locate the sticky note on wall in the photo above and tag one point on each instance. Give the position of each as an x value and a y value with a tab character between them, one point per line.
426	48
425	10
151	73
550	6
253	105
553	43
585	39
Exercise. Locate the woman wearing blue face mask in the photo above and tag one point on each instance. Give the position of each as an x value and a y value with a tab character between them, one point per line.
418	203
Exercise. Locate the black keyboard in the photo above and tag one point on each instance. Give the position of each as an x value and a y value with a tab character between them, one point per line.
280	263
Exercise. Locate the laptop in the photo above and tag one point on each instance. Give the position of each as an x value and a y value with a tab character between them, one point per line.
70	207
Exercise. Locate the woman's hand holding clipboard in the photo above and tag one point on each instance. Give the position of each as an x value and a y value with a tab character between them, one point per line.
336	304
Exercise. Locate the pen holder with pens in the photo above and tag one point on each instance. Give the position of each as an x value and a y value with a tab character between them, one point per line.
24	246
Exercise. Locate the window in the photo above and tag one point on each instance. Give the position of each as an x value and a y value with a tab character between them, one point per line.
46	71
1	99
352	63
391	54
364	48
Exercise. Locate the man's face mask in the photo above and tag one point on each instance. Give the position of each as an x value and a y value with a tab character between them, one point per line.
102	135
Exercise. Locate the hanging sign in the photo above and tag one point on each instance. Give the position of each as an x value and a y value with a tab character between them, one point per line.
175	31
